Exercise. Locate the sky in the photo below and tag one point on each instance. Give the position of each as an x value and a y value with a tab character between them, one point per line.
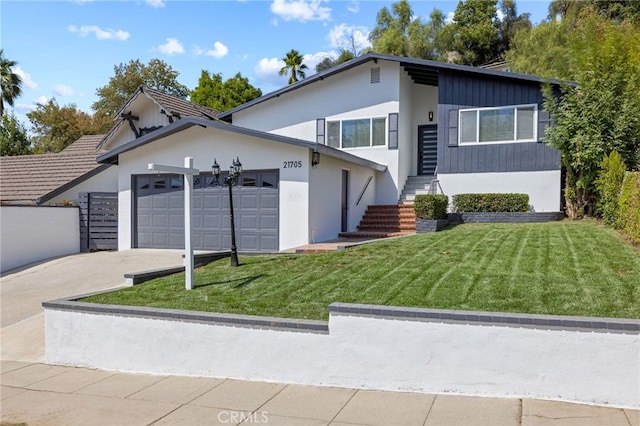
66	49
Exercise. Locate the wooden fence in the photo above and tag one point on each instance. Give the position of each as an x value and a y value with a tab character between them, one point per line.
98	221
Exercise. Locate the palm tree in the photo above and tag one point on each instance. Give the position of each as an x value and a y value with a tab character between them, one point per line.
10	81
293	63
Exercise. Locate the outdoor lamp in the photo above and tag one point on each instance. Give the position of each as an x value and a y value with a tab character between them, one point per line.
236	168
215	168
315	159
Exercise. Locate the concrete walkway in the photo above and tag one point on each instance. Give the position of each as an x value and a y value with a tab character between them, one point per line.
35	393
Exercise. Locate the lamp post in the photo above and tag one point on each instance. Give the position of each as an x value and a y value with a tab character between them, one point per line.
232	179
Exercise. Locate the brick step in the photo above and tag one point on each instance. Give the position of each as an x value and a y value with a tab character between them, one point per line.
386	222
391	215
389	228
372	234
392	207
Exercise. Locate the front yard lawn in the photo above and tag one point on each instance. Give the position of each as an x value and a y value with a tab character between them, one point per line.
560	268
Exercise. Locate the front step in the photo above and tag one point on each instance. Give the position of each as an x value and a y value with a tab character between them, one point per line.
415	185
382	221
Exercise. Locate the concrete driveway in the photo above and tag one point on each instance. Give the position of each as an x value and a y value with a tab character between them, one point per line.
23	291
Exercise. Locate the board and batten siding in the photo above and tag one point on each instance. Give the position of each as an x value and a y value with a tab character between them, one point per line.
459	91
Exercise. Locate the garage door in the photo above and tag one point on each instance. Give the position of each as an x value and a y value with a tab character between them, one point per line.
159	207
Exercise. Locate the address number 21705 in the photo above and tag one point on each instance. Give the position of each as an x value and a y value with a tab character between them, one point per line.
292	164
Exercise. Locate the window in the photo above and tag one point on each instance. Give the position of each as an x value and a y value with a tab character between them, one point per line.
363	132
501	124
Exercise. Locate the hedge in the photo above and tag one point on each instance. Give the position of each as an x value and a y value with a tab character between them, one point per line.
431	206
496	203
629	206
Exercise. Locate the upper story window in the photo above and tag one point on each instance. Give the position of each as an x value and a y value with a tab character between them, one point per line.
500	124
363	132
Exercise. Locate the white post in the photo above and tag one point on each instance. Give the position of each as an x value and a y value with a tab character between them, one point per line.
188	246
187	171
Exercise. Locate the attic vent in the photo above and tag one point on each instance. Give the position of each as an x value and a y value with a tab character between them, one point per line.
375	75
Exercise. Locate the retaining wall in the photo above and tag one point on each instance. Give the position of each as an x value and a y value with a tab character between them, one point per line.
588	360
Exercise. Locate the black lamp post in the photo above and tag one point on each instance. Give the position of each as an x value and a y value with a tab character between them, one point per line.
234	173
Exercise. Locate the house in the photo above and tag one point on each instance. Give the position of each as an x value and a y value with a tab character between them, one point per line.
317	153
54	179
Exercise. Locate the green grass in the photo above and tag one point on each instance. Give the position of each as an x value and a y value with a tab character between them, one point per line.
561	268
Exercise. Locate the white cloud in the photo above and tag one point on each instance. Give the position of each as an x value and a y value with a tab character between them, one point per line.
63	90
171	47
42	100
449	18
155	3
100	34
26	108
219	50
25	77
301	10
313	59
349	37
354	7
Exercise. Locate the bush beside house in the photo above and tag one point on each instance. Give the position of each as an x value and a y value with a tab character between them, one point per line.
629	206
431	212
494	203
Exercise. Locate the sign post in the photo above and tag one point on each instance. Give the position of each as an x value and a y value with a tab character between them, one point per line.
188	172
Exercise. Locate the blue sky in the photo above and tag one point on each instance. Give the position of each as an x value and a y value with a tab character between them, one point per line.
67	49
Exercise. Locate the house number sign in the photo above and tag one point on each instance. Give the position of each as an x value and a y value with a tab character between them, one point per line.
292	164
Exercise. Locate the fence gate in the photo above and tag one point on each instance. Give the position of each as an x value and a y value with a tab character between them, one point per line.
98	221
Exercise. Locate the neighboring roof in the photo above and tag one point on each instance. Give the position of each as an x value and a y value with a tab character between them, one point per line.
170	105
111	157
35	179
422	71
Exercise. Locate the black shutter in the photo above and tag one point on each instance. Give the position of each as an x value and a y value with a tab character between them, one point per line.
320	131
393	130
452	137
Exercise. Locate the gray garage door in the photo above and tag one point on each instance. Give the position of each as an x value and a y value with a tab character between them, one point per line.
159	210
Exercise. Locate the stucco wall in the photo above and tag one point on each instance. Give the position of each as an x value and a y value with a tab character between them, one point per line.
206	144
105	181
543	187
31	234
365	349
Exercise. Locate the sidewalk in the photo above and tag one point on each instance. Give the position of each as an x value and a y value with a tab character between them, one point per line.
34	393
39	394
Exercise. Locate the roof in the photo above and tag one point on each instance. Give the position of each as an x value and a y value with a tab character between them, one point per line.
35	179
172	106
112	156
422	71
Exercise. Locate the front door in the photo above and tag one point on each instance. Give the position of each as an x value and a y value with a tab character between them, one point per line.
427	149
345	201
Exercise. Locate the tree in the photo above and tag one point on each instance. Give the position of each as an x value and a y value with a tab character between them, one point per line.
293	65
57	127
13	136
475	27
398	32
601	114
329	62
222	96
11	82
128	77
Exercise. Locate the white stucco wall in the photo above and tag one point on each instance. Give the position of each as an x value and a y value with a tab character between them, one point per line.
325	197
294	114
543	187
31	234
205	144
363	352
105	181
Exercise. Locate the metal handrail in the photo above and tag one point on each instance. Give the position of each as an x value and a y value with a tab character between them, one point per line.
366	185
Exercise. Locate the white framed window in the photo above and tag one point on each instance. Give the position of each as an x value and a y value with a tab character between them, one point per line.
357	133
515	123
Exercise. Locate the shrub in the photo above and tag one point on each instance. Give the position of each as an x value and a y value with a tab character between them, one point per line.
431	206
629	206
608	184
494	203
